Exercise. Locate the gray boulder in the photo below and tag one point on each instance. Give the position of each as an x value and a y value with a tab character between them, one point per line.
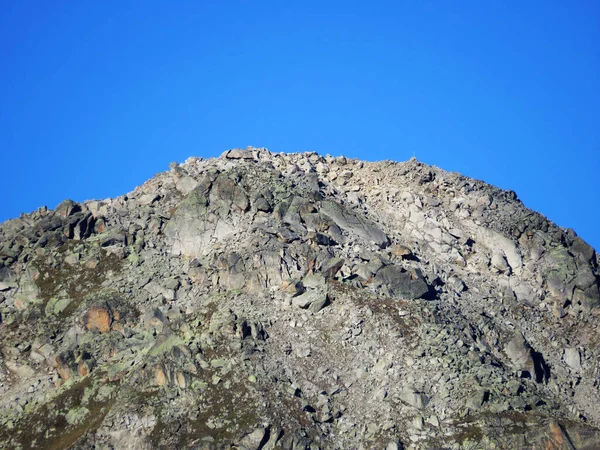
402	283
354	225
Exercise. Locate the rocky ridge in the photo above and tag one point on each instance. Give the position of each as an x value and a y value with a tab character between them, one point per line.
262	300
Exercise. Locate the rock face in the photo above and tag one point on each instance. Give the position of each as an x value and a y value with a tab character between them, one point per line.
293	301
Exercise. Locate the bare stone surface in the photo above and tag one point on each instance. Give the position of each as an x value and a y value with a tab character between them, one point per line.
264	300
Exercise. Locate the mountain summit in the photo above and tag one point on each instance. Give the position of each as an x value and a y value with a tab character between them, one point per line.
264	300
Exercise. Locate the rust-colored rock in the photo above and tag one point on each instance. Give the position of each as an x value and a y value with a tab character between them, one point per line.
180	380
401	251
20	304
68	208
159	376
83	368
292	286
62	367
101	318
558	440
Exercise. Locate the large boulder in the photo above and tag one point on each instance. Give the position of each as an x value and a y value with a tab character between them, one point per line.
524	359
402	283
101	318
353	224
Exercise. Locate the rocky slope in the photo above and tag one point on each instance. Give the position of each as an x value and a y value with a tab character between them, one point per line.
262	301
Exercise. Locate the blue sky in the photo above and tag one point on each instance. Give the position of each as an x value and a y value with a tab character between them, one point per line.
97	97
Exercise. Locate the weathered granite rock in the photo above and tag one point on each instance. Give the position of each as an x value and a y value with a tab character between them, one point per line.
520	354
415	399
331	267
297	301
353	224
100	318
310	297
401	283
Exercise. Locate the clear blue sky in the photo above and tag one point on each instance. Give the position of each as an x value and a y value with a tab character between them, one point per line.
98	96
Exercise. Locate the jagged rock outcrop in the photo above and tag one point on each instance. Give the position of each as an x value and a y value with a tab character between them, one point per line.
262	300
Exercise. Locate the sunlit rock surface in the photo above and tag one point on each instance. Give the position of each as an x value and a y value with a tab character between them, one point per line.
294	301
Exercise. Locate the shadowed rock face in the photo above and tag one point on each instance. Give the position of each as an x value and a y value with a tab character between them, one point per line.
401	283
264	301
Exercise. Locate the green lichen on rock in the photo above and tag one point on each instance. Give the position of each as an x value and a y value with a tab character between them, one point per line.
55	306
265	300
164	344
76	415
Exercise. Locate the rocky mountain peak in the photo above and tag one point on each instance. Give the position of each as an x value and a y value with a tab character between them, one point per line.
265	300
